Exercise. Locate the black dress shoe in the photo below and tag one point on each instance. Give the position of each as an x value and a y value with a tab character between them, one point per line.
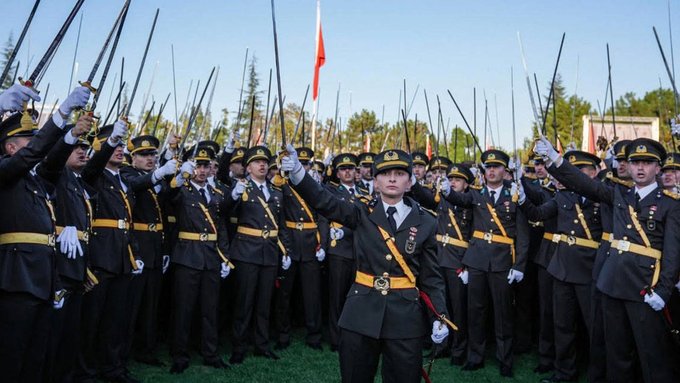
178	367
281	346
506	371
543	368
216	363
149	360
267	354
457	360
555	379
237	358
315	346
472	366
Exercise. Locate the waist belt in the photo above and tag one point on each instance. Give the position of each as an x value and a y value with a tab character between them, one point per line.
606	237
257	233
490	237
636	249
446	240
152	227
32	238
172	219
82	235
120	224
383	283
571	240
203	237
548	236
301	225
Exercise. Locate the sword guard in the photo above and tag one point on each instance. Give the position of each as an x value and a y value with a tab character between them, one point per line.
27	83
88	85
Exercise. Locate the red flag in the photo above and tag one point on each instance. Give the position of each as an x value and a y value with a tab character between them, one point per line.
428	147
320	57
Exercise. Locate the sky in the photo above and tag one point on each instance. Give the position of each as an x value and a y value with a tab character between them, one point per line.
371	47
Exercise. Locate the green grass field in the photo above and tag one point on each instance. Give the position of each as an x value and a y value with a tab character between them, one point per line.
301	364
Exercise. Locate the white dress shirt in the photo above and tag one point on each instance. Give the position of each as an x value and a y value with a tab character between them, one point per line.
402	211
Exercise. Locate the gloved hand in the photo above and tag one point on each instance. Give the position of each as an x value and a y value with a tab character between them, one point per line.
677	285
320	255
167	169
140	267
463	275
76	100
285	262
292	165
655	301
231	142
439	332
59	297
69	243
675	126
120	130
520	192
187	168
327	161
224	270
337	234
413	179
166	263
515	276
238	190
315	175
544	148
12	98
445	186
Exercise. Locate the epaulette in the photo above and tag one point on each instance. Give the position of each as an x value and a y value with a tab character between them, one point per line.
628	184
364	198
675	196
277	188
434	214
475	187
371	203
217	190
530	176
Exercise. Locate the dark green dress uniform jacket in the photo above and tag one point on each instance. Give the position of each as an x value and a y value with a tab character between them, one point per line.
399	314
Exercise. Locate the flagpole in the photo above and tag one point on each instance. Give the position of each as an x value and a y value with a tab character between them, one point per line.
316	102
319	60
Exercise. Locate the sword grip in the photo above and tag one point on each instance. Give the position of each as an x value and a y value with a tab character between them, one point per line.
88	85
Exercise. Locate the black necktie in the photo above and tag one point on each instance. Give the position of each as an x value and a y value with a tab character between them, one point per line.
120	182
637	201
493	196
203	196
351	191
390	217
262	190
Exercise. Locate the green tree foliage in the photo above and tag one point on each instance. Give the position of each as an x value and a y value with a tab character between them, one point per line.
658	102
4	59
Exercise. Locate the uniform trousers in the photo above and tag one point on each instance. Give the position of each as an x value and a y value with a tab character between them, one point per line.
309	274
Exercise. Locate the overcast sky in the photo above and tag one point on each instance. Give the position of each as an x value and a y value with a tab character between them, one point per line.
371	46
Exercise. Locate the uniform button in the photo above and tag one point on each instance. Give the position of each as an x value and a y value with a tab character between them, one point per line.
572	232
386	275
625	238
388	257
629	226
356	291
652	266
384	292
576	221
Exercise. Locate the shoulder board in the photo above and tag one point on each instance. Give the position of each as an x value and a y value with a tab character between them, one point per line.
475	187
434	214
675	196
364	198
628	184
274	187
218	191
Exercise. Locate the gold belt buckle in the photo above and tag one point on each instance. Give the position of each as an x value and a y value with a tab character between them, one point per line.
265	234
298	226
51	240
623	246
121	224
556	238
488	237
203	237
152	227
571	240
381	284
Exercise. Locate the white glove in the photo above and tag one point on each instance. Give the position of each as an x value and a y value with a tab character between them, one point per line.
231	142
439	332
12	98
166	263
76	100
328	159
677	285
515	276
445	186
224	270
545	149
58	301
512	164
285	262
238	190
337	234
463	275
292	165
320	254
675	126
655	301
167	169
140	267
413	179
120	130
69	243
522	194
315	175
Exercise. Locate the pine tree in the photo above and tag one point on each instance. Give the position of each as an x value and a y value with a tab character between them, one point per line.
4	59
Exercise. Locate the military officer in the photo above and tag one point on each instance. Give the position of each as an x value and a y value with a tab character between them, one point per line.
643	263
366	170
495	259
396	249
261	242
420	162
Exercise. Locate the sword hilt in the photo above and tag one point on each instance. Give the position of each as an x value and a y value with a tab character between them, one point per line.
88	85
